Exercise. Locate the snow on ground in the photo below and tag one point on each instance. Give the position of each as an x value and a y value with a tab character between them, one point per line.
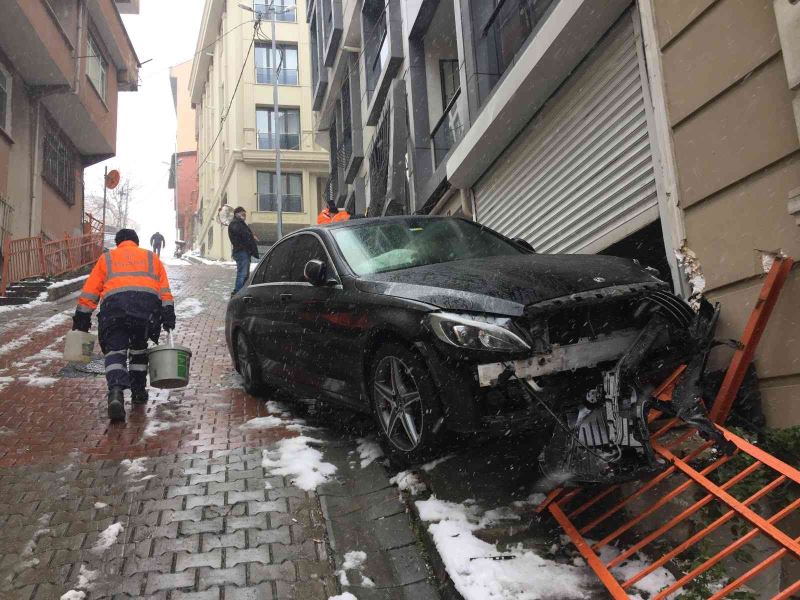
369	450
354	561
13	345
408	481
171	261
99	505
134	467
4	381
73	595
53	321
476	569
428	467
108	537
650	585
344	596
86	577
38	301
38	381
66	282
295	458
154	427
188	308
270	422
213	263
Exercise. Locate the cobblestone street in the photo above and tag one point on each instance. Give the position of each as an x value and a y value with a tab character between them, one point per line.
175	503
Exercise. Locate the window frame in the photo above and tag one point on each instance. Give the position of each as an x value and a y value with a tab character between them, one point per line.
281	47
285	110
285	175
8	89
294	236
442	63
95	52
54	141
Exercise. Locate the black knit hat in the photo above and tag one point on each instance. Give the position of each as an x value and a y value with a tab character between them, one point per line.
126	235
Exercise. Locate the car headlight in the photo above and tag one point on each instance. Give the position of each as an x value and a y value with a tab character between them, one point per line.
476	333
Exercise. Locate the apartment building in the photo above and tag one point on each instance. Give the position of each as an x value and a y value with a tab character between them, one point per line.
642	129
183	178
62	64
231	88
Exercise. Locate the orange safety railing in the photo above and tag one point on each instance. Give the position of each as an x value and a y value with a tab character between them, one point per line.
750	489
25	258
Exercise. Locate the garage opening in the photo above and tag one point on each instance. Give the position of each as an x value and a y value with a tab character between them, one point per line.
646	246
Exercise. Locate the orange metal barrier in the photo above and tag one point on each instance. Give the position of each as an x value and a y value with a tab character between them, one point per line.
689	483
33	257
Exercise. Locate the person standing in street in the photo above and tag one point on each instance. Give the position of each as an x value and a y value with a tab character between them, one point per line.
157	242
244	246
130	284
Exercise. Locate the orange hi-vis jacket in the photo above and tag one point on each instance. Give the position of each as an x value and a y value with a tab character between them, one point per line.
127	270
326	216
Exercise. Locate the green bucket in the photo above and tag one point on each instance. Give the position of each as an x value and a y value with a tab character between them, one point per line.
169	365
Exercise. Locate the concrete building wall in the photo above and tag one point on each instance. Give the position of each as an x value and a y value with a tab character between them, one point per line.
737	157
185	114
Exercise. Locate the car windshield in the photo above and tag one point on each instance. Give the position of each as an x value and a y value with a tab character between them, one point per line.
406	243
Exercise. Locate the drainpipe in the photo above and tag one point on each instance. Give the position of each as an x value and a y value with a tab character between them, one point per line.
79	44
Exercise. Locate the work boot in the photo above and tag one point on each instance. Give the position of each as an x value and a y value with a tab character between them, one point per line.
139	396
116	405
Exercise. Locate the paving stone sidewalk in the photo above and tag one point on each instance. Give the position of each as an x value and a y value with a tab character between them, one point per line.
173	504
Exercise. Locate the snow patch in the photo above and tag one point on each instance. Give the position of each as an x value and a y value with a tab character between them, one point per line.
171	261
354	559
188	308
369	450
473	566
38	381
428	467
344	596
86	577
73	595
295	458
408	481
99	505
53	321
13	345
135	466
154	427
108	536
66	282
652	584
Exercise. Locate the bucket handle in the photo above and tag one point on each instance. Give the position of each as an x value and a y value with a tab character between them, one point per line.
169	338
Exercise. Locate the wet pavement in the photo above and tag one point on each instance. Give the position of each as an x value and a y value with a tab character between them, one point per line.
177	502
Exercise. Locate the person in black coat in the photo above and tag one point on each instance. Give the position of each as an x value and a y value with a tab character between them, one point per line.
157	242
244	246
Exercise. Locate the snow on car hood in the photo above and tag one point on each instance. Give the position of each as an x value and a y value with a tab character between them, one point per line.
506	284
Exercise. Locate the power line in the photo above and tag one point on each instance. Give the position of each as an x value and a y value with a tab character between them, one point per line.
233	96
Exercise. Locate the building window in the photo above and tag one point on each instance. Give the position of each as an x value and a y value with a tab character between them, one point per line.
5	99
286	63
58	168
210	238
283	10
448	71
291	192
286	134
96	68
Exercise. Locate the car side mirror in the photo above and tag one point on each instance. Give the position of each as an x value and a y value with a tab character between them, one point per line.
525	244
315	272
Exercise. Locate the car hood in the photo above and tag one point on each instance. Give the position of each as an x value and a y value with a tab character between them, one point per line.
507	284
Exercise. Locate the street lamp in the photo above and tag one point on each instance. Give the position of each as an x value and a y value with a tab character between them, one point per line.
275	115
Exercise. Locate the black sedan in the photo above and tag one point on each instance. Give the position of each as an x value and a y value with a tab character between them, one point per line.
434	324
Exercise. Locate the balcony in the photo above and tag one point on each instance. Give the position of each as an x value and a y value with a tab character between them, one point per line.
283	11
331	20
351	148
319	73
284	141
381	32
285	76
289	203
448	131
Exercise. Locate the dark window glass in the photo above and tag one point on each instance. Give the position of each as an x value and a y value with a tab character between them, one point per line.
5	88
287	64
448	70
278	265
286	132
307	248
58	165
291	192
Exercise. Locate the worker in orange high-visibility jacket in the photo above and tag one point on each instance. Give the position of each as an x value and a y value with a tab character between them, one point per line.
130	284
331	214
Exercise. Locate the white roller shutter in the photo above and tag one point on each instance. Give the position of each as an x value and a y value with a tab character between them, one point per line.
580	176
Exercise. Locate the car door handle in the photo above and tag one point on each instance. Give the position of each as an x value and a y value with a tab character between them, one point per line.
286	297
248	299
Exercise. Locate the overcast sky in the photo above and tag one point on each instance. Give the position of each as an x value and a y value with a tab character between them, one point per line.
165	33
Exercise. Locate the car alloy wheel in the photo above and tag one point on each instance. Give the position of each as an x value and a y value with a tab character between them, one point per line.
398	403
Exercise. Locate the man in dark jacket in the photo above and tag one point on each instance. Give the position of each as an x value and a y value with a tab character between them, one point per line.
157	242
244	246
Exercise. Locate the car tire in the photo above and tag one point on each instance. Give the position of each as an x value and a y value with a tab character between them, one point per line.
247	366
410	434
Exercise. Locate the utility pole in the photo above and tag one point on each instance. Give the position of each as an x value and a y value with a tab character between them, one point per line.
105	191
275	71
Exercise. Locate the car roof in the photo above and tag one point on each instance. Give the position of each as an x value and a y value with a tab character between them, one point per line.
376	220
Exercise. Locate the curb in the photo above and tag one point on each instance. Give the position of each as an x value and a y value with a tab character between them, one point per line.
56	292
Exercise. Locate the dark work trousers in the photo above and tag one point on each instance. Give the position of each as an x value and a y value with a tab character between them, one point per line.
124	343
